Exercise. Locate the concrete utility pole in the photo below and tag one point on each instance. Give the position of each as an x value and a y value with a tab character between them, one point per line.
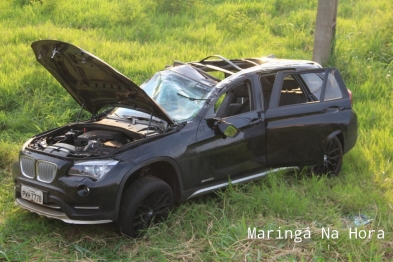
325	30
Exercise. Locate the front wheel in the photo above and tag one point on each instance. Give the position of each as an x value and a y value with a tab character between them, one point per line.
145	201
332	159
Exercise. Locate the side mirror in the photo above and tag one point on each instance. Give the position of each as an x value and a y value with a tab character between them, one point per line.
225	128
228	129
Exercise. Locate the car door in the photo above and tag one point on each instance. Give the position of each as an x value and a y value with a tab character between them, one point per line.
305	108
221	158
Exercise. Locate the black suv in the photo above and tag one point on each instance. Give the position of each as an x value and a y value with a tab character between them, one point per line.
183	133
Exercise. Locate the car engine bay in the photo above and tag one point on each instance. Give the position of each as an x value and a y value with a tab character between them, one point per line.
80	142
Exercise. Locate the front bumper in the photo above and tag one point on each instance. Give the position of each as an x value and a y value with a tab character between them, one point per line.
50	212
66	199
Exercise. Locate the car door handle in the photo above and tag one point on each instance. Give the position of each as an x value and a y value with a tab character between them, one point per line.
333	109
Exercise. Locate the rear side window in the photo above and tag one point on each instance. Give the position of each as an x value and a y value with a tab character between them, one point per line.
332	90
291	93
314	83
303	87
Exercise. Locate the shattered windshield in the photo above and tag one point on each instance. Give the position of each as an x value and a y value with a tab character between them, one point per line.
180	96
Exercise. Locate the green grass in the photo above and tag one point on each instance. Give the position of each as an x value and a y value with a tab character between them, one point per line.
140	37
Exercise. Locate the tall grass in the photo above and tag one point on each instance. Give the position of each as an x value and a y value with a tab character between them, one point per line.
140	37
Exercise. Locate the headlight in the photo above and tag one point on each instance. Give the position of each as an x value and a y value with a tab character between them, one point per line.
95	169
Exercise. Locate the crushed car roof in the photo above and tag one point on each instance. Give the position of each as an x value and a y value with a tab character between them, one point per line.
232	66
95	84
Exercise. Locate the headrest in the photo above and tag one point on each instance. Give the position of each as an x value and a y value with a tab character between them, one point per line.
241	90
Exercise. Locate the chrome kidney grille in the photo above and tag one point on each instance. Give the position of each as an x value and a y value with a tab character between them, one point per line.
27	165
45	171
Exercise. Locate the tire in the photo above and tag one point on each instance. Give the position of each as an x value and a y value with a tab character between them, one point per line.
144	202
332	159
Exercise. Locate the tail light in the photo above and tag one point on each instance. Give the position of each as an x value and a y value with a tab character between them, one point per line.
350	96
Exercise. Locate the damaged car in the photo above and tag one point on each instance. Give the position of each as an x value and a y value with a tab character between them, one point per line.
185	132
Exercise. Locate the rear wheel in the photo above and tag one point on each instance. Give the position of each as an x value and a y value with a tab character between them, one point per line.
144	202
332	160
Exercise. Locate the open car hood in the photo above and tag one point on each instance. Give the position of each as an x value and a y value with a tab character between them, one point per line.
92	82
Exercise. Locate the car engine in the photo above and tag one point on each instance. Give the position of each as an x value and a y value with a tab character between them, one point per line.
81	143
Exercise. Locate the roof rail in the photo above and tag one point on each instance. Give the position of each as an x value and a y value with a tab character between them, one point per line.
227	66
223	58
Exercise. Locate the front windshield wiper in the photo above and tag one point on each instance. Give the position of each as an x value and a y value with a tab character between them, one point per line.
191	98
142	119
98	116
117	115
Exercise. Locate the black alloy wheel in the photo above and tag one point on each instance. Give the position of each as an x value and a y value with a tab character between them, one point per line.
146	201
332	159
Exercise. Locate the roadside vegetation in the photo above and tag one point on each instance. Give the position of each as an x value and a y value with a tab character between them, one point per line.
140	37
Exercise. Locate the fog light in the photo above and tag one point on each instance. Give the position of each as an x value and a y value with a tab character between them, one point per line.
83	190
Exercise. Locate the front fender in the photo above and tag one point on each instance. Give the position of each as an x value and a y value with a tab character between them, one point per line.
133	172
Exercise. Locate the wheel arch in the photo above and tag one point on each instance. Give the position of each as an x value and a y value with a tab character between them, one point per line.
333	155
164	168
339	135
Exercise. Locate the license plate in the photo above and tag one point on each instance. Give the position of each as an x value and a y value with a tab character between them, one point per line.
32	194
